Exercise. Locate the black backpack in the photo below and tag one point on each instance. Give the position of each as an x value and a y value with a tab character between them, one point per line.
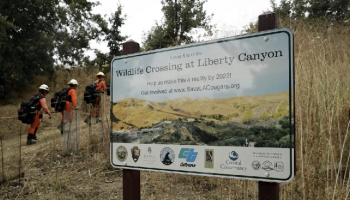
91	93
109	90
60	98
28	109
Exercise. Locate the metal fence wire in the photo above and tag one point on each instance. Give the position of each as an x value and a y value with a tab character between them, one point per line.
71	132
74	135
10	149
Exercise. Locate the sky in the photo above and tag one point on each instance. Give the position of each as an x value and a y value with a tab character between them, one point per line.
230	16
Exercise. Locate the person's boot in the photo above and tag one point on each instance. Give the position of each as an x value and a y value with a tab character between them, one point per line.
62	127
59	126
30	139
34	137
87	120
98	120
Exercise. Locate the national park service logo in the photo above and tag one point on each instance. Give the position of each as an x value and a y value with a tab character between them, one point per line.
167	156
135	153
122	153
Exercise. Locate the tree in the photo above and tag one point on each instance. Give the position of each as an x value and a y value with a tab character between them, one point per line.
180	18
252	27
114	40
264	117
34	35
313	9
248	116
4	26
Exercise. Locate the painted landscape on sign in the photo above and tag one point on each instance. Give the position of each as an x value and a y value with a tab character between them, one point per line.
259	121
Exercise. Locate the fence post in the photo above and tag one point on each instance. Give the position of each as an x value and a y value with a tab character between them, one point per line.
2	159
270	191
131	178
20	156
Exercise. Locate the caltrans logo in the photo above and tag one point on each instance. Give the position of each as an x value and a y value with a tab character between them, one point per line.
190	155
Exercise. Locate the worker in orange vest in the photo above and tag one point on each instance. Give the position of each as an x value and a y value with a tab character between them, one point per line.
67	114
101	87
41	103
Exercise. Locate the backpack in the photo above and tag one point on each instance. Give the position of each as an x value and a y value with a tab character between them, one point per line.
91	93
27	109
109	90
60	98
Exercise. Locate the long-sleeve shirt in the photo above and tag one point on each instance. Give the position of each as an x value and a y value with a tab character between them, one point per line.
43	105
101	85
72	93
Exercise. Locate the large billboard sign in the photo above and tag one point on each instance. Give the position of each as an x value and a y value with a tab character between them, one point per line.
219	108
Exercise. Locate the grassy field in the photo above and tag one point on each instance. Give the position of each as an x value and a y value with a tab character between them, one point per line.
322	74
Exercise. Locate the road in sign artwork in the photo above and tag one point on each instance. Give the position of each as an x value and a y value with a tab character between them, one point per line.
219	108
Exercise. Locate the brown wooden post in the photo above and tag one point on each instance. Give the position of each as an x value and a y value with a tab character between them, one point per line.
2	160
130	47
268	191
131	178
20	156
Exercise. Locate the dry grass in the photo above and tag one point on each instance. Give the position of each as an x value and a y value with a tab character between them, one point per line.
322	105
322	111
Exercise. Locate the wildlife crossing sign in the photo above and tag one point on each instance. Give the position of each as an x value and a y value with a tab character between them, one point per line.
221	108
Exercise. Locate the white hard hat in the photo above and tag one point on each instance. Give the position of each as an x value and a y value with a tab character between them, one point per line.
44	87
100	74
73	82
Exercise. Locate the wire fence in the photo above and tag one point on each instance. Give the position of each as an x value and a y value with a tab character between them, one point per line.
65	132
70	130
10	143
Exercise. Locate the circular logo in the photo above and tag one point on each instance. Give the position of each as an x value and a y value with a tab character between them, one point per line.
233	155
122	153
167	156
267	166
256	165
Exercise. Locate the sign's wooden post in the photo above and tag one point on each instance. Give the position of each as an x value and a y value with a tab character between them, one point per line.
131	178
270	191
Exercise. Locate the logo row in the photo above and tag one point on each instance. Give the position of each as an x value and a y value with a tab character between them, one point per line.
167	156
189	156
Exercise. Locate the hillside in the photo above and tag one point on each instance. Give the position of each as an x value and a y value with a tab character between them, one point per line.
184	132
130	113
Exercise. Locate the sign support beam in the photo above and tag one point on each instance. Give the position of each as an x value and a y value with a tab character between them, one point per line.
268	191
131	178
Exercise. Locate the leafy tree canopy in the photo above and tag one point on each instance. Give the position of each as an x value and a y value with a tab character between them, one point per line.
313	9
36	34
180	18
114	40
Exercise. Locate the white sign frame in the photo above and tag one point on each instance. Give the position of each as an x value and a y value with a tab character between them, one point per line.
259	163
